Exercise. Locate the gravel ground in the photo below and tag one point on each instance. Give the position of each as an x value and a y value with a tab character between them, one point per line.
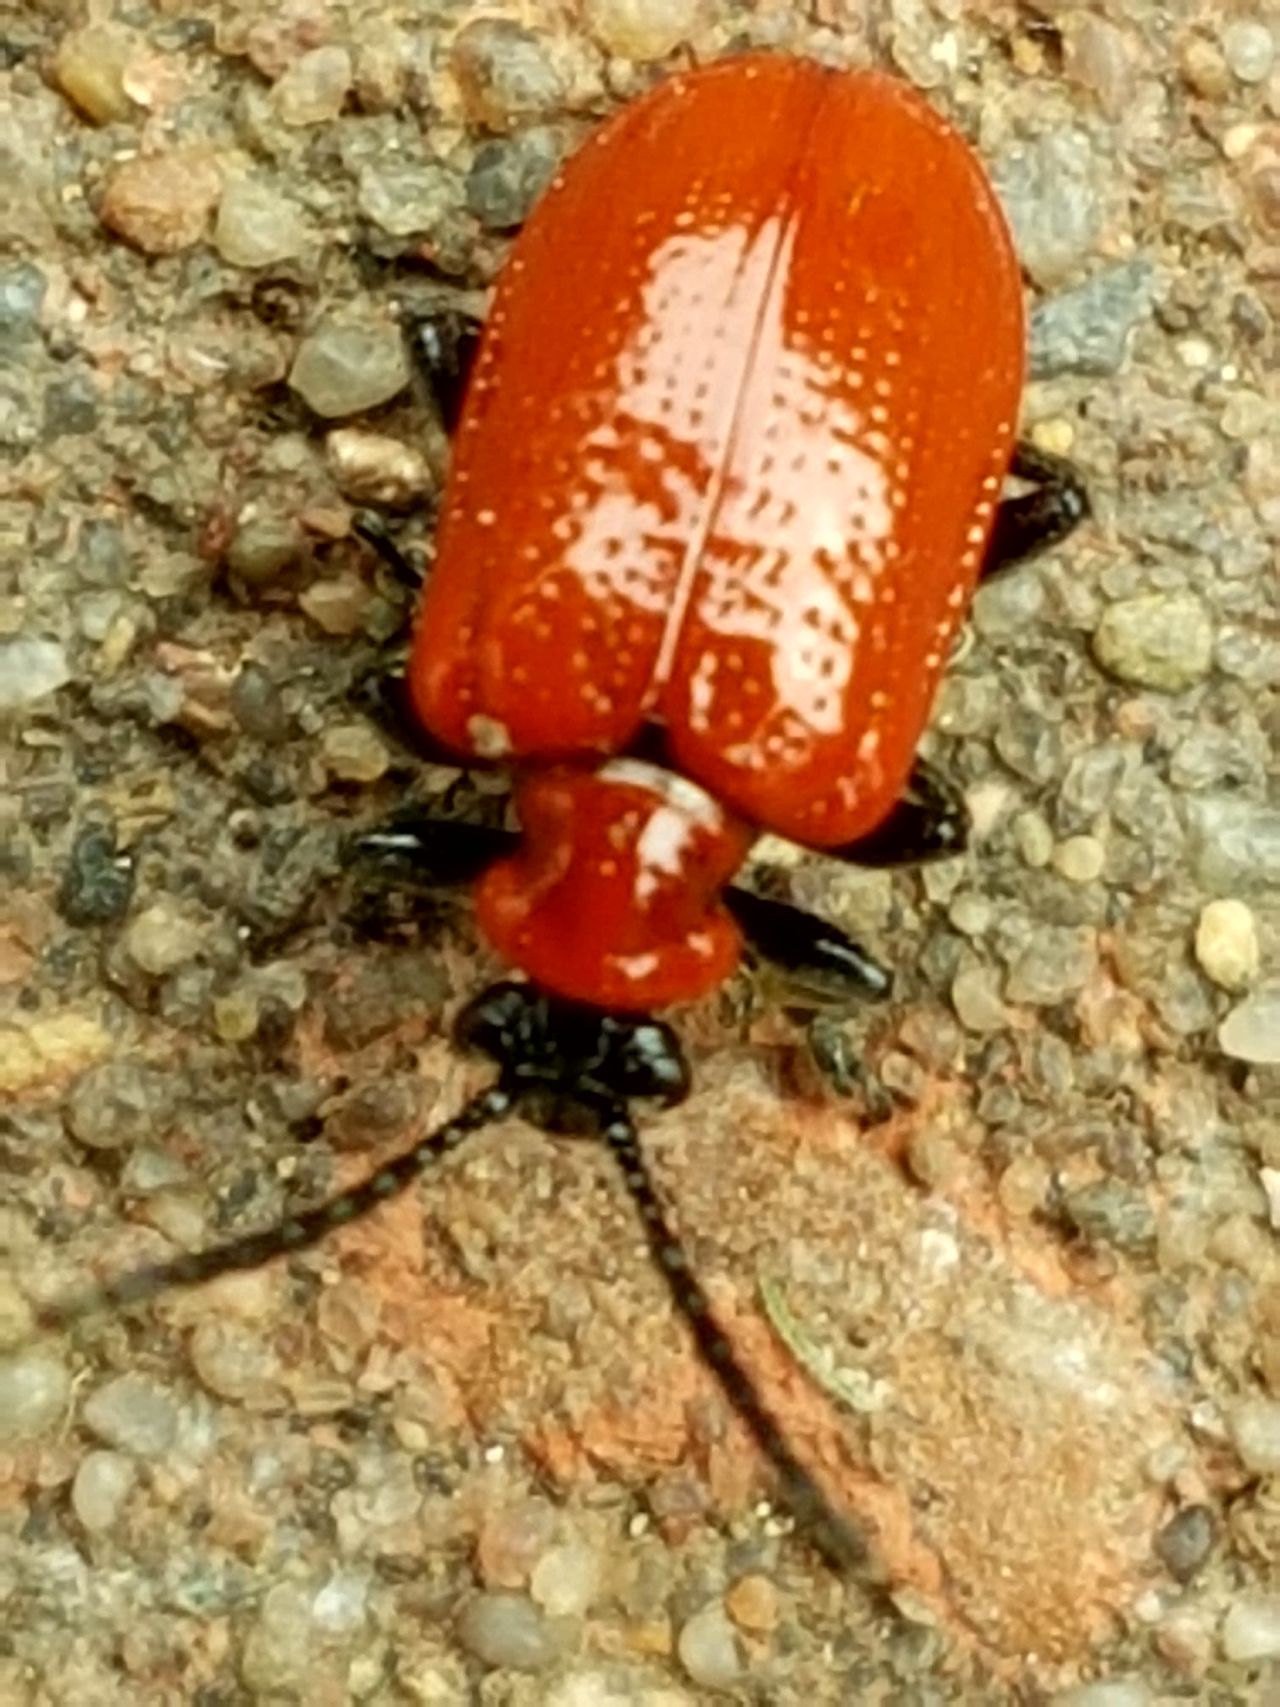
1019	1222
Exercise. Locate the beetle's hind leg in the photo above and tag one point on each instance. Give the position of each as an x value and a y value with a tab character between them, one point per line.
1035	520
930	821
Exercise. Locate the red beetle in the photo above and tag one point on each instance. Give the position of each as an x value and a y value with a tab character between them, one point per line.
729	467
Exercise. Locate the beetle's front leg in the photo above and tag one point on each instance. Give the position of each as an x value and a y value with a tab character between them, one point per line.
443	344
1055	507
930	821
431	852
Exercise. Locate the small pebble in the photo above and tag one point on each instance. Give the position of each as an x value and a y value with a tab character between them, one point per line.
503	73
1227	944
235	1363
1156	640
643	29
509	174
1186	1541
35	1392
97	880
257	226
566	1580
1058	963
89	67
709	1648
343	368
31	669
372	468
23	288
354	752
1251	1629
1087	330
975	995
752	1603
117	1104
314	88
161	203
1034	838
1117	1692
1254	1427
508	1630
337	605
1235	842
409	198
280	1647
1249	49
17	1318
1204	69
1251	1031
262	548
162	938
103	1483
133	1414
1080	859
1051	190
511	1541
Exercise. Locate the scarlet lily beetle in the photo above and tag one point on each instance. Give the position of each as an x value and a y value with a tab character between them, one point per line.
729	466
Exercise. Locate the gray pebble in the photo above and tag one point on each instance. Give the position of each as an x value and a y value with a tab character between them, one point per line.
344	368
504	73
1050	188
162	938
134	1414
256	226
97	881
103	1483
1108	1212
566	1579
1157	640
1250	49
1058	963
407	198
508	175
1254	1426
70	406
117	1104
1111	1692
1186	1541
35	1388
709	1648
31	668
1251	1031
263	548
508	1630
314	88
1235	843
1086	330
1251	1629
22	293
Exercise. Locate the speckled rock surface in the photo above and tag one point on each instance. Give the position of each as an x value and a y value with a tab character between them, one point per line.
1002	1250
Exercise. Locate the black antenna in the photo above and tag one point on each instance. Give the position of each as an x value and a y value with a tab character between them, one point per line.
299	1231
837	1540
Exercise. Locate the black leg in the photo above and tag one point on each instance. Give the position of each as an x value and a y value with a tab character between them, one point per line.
931	821
443	345
819	956
433	853
1057	505
370	527
833	1534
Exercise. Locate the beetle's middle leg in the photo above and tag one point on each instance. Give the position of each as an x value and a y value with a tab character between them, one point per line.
1055	507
